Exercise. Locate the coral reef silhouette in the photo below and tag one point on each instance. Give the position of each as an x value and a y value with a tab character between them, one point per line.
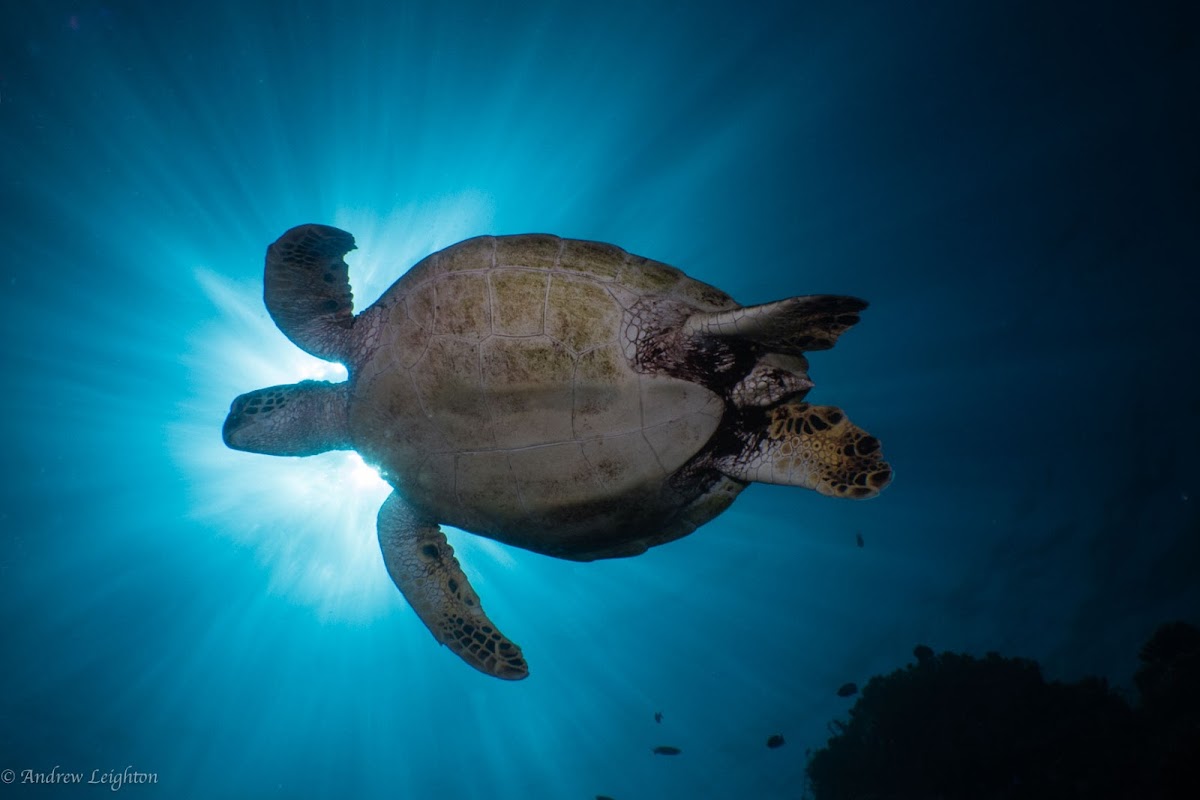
955	726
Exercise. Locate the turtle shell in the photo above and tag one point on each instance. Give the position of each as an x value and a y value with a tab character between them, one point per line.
501	394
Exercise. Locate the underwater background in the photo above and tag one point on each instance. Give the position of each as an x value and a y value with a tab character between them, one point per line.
1014	186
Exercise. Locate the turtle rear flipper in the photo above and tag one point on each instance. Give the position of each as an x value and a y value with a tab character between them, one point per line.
306	287
424	569
815	447
792	326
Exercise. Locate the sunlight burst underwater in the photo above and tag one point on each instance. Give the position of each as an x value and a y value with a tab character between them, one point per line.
310	521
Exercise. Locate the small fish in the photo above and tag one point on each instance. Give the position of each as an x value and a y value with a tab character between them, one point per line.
666	750
847	689
924	653
775	740
603	797
658	716
858	540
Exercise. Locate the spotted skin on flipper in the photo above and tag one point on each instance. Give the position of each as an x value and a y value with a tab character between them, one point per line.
423	566
816	447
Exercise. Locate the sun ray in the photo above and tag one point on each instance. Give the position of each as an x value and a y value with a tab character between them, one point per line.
310	521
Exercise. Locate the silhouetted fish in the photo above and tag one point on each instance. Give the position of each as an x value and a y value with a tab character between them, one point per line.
666	750
923	653
858	540
847	689
603	797
658	716
775	740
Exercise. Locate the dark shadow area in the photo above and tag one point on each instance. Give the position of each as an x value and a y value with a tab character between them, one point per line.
955	726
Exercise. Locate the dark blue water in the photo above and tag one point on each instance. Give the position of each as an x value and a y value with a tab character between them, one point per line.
1015	188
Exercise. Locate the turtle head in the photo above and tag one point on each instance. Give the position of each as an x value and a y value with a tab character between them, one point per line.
300	419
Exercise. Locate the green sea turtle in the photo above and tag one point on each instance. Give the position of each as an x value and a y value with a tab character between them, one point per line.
562	396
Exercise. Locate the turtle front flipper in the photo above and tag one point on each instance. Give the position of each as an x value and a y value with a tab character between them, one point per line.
423	566
306	287
792	326
816	447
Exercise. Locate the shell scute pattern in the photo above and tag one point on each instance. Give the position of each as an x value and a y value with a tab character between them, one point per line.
421	301
556	470
471	255
462	305
406	340
648	277
463	416
536	251
484	479
603	404
580	314
527	383
518	301
599	261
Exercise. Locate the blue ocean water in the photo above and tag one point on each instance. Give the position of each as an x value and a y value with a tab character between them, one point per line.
1014	186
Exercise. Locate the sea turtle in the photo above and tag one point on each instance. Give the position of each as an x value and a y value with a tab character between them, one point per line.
562	396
